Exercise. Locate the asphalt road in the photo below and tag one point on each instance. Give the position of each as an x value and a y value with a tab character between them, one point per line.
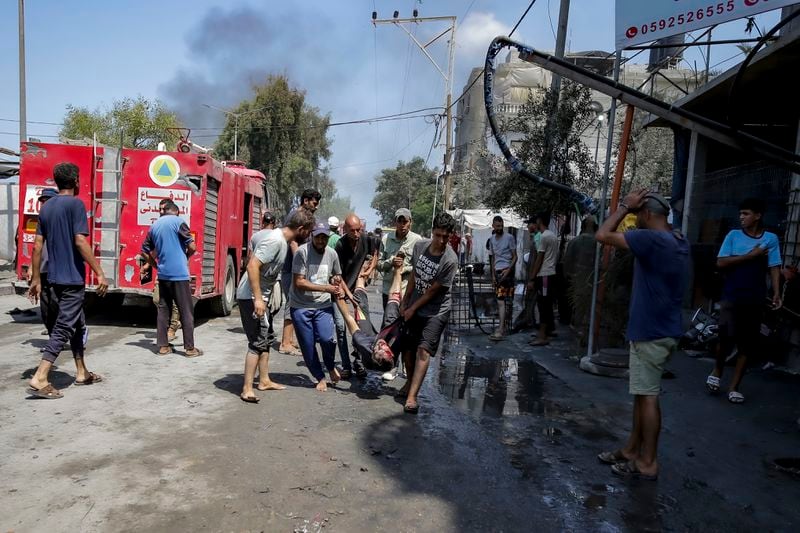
505	441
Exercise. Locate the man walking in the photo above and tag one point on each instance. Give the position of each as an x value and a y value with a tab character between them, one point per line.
426	304
542	279
63	230
503	259
352	250
268	249
661	264
47	299
745	257
316	278
309	200
167	247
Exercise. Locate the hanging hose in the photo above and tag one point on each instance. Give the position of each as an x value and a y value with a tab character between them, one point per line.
579	198
471	288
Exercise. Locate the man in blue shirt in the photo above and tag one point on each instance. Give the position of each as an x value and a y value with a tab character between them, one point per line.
745	257
63	230
167	247
660	269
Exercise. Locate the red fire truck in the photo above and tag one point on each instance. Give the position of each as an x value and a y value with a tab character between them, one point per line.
121	188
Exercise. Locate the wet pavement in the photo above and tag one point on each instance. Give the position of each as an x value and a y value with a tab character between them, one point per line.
506	441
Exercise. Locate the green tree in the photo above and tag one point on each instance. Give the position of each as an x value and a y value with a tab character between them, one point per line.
410	184
283	137
338	206
144	124
571	161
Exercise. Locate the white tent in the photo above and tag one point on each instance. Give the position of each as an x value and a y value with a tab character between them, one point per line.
478	222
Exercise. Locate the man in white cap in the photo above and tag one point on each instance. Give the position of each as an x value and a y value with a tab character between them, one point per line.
333	225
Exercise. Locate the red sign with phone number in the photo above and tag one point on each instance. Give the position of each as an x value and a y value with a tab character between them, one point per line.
641	22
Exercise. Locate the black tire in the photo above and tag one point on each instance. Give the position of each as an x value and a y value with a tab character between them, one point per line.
222	305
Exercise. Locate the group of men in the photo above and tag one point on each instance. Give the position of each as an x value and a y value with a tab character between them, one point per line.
324	284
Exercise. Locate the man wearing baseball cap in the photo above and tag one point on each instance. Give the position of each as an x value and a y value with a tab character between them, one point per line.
333	225
396	250
315	278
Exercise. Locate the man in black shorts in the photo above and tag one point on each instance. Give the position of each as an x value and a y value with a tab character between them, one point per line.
376	349
426	304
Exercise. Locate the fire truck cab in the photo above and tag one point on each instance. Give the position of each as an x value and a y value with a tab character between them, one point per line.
221	202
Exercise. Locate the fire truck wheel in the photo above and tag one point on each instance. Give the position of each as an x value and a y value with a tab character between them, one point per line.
223	304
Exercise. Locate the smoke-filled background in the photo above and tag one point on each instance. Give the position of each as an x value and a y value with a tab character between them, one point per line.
211	52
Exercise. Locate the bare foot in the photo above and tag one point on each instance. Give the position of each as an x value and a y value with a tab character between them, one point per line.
335	376
270	385
322	386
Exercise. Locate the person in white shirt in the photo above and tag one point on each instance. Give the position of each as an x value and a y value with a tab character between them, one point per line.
542	279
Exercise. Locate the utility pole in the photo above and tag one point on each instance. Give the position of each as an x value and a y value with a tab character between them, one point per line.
448	83
23	112
236	116
561	42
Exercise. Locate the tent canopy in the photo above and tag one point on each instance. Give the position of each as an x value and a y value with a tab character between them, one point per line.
482	218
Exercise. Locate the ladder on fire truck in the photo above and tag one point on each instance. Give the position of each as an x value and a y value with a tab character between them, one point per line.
106	200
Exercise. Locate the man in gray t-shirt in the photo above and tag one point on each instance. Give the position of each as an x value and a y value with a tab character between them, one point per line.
426	304
316	276
268	249
503	250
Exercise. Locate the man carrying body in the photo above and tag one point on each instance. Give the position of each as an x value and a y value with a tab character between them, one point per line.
167	247
542	279
309	200
745	257
268	249
63	230
175	316
426	304
503	259
376	348
316	278
661	264
397	247
352	250
401	239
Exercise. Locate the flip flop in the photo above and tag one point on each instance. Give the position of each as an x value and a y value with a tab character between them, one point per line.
91	379
611	458
712	383
290	352
48	392
411	409
539	343
735	397
250	399
629	470
496	338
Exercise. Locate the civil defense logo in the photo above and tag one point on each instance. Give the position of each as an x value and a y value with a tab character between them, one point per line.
164	170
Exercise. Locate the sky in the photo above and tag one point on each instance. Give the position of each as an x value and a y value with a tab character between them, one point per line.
189	53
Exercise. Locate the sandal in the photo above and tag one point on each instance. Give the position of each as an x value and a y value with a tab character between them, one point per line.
165	350
90	379
48	392
411	409
193	352
735	397
630	470
539	343
712	383
495	337
250	399
611	458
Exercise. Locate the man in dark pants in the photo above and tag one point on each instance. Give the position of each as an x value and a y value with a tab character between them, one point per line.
352	250
63	229
47	301
172	243
543	279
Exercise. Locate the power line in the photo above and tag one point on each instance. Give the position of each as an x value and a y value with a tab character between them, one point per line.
480	75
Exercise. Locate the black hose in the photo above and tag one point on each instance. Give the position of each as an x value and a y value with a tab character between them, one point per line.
579	198
471	288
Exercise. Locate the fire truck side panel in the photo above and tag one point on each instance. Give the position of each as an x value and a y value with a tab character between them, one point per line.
36	173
